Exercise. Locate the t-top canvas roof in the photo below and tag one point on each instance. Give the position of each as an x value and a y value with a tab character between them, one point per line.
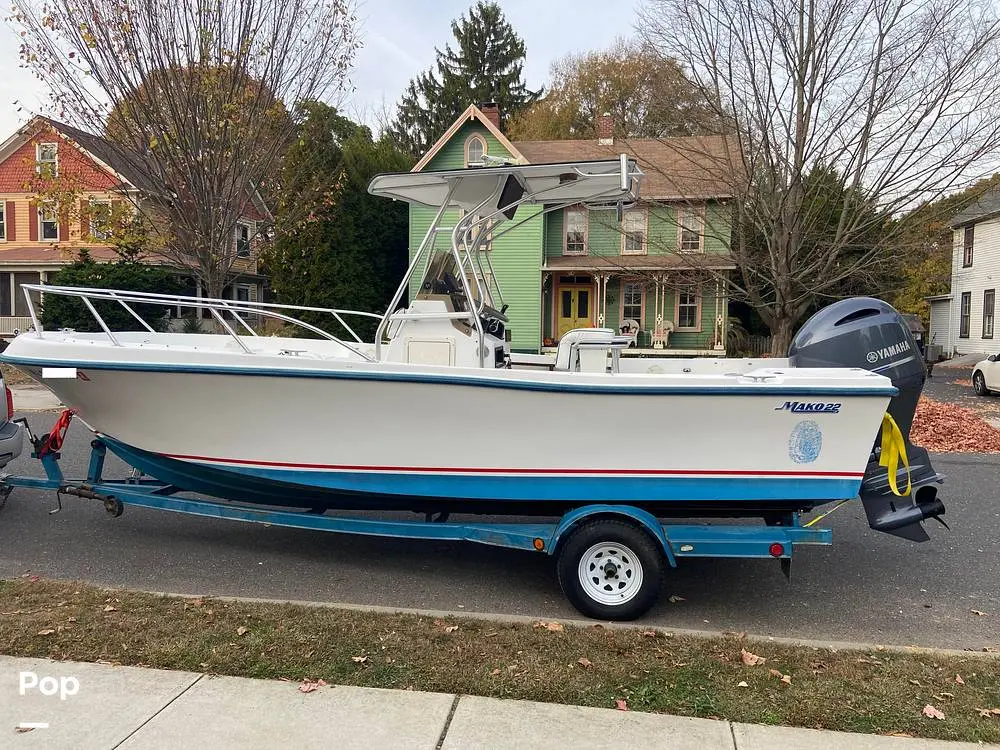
480	188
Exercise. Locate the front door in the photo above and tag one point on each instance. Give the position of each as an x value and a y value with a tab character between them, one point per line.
574	309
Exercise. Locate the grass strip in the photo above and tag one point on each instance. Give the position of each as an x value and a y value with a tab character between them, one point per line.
881	692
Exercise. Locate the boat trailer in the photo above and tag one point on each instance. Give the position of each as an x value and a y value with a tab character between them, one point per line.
602	549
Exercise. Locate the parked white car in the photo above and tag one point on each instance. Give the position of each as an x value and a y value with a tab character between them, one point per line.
986	376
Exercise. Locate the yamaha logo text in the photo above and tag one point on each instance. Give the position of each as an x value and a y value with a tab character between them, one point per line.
799	407
888	351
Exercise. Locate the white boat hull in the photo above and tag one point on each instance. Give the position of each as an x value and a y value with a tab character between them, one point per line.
420	435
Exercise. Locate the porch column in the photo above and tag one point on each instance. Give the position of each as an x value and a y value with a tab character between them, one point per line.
602	290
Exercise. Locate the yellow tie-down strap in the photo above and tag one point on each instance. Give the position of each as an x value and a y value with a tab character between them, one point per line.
893	450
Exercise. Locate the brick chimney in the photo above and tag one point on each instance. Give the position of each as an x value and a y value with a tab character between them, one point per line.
606	129
492	112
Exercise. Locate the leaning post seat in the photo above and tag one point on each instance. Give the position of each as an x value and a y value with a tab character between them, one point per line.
585	349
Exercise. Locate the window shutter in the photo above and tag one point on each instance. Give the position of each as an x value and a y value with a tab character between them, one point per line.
9	221
33	221
64	225
84	219
253	293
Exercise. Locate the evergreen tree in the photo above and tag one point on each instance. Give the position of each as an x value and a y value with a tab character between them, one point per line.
487	65
336	245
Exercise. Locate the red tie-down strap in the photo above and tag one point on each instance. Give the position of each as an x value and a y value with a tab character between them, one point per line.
54	440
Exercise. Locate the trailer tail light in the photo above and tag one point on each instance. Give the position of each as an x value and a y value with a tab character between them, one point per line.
10	402
777	549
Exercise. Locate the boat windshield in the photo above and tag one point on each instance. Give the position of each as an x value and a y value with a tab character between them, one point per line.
444	276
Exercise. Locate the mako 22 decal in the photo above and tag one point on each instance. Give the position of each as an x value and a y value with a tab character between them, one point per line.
798	407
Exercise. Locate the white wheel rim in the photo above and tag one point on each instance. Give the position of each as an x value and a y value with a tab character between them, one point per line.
610	573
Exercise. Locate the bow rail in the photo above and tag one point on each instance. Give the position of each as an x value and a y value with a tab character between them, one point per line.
215	306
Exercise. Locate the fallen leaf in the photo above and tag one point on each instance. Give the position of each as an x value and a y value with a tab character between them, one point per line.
774	673
22	730
751	660
932	713
495	672
555	627
309	686
674	599
900	734
584	662
649	633
988	712
70	619
47	631
242	630
959	680
787	679
620	704
978	612
915	682
742	683
451	628
359	659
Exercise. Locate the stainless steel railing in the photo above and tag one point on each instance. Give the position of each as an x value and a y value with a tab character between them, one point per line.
215	306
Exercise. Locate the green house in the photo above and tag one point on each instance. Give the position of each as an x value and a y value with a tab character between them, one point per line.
657	274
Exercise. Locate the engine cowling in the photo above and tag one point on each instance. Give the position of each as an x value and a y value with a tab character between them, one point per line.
869	333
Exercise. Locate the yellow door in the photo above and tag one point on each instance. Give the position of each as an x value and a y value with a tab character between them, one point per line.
574	309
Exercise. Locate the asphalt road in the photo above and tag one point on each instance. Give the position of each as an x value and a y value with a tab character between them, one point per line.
865	587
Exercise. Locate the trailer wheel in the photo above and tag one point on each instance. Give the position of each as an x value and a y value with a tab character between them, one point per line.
610	570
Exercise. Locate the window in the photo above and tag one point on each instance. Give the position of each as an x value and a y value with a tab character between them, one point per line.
632	302
242	297
967	246
47	158
12	301
575	239
48	223
100	220
634	232
690	225
475	149
964	315
689	308
989	297
243	234
3	221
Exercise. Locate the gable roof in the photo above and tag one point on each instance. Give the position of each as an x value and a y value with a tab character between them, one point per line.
472	112
120	163
986	207
688	168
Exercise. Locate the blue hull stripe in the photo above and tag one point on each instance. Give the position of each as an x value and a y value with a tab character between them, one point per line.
749	389
569	488
266	481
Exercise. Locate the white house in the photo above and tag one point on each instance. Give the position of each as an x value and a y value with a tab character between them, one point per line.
963	321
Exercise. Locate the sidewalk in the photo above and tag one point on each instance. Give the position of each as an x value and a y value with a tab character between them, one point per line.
148	709
34	398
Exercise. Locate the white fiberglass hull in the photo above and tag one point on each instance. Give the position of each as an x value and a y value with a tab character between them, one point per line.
289	430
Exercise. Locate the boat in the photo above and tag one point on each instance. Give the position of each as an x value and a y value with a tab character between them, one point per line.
436	414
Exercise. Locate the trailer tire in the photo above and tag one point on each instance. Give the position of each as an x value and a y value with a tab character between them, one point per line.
610	570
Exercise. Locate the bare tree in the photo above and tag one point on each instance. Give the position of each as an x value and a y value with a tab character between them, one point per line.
844	113
191	96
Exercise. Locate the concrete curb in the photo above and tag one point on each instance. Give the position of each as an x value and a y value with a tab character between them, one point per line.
581	623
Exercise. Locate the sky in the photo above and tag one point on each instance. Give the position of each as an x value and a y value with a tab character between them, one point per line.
399	38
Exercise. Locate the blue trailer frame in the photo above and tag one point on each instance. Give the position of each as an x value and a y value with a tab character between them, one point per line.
676	540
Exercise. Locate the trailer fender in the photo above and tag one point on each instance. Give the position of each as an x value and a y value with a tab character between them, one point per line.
644	519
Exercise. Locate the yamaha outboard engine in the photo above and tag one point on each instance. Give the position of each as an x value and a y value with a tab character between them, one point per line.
869	333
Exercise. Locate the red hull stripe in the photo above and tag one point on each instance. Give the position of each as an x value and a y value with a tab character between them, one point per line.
529	471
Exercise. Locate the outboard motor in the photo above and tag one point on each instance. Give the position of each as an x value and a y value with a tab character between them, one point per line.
868	333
